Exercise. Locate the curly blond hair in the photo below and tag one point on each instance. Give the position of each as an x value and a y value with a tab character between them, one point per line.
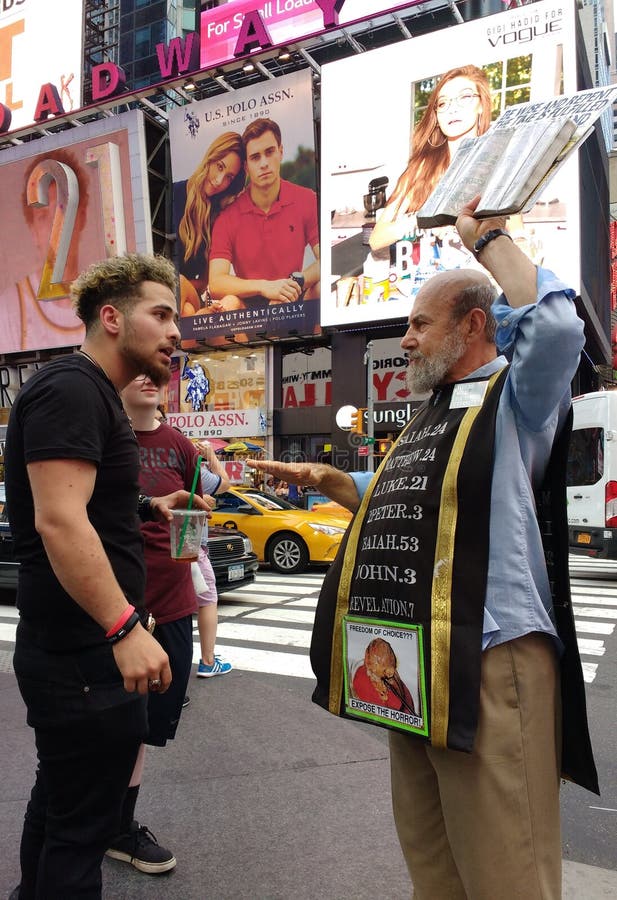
118	281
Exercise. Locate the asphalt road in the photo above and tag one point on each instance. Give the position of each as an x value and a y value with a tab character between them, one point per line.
590	822
265	796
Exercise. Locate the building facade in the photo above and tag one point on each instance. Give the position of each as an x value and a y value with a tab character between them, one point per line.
299	380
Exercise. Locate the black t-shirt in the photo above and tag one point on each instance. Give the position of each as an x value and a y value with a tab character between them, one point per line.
71	410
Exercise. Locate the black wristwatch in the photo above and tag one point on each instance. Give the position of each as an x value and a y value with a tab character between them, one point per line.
298	277
144	508
489	236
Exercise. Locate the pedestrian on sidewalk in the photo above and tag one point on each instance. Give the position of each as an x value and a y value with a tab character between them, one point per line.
168	462
458	555
214	481
83	659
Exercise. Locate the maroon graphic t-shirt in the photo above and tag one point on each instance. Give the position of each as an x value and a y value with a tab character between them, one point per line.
168	461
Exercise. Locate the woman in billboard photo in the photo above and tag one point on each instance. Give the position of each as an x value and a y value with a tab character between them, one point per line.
215	184
459	107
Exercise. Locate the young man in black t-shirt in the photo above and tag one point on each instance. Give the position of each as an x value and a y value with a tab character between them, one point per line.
83	660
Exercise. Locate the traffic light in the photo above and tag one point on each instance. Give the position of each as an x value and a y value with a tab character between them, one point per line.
383	447
357	421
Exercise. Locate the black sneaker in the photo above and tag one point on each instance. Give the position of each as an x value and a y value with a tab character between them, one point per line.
140	848
186	702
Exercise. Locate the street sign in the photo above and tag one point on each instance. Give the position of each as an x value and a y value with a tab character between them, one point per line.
369	440
362	451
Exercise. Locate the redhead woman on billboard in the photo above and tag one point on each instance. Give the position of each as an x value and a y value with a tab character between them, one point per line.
459	107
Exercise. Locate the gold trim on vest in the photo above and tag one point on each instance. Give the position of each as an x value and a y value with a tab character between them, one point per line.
441	599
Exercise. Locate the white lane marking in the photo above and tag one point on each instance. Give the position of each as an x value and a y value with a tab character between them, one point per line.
265	599
600	599
230	610
9	612
236	597
590	647
600	585
579	559
282	614
584	627
594	612
264	634
270	662
7	631
589	671
258	588
305	578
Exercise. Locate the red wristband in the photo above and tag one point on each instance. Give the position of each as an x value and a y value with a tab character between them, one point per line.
126	615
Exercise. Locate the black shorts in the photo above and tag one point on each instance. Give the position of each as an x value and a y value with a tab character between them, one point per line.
164	710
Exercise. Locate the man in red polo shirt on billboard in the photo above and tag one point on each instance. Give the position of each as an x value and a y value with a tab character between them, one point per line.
264	233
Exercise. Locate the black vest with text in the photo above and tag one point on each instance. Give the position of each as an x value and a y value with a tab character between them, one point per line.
397	638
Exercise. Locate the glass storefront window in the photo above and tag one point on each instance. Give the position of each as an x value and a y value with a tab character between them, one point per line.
306	448
234	380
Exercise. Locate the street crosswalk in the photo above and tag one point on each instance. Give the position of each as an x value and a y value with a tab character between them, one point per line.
259	633
594	599
266	626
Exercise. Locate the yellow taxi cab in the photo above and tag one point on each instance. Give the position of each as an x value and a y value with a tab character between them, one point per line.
281	534
333	509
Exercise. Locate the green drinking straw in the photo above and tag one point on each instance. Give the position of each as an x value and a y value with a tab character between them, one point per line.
189	504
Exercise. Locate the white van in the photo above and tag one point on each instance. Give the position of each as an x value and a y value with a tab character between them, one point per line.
592	476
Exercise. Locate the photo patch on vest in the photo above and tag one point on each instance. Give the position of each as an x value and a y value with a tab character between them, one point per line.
468	393
384	673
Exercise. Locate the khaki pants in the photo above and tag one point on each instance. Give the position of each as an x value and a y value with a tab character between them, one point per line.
485	825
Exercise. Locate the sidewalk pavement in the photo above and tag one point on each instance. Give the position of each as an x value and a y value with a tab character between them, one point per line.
262	796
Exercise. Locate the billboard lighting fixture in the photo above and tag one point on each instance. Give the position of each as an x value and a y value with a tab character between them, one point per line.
284	55
189	85
248	67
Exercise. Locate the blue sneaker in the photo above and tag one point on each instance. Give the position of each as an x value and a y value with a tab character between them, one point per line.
218	667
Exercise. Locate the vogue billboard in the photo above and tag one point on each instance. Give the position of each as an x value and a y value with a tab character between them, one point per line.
386	143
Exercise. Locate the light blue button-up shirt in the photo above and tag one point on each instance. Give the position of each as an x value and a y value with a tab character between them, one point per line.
544	340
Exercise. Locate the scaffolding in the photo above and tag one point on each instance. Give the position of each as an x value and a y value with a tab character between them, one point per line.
101	38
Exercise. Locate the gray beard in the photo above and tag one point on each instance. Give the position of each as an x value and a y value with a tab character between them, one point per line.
428	372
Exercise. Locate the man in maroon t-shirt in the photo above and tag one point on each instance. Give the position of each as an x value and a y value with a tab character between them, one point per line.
264	234
166	458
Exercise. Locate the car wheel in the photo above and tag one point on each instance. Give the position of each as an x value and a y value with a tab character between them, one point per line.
288	554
